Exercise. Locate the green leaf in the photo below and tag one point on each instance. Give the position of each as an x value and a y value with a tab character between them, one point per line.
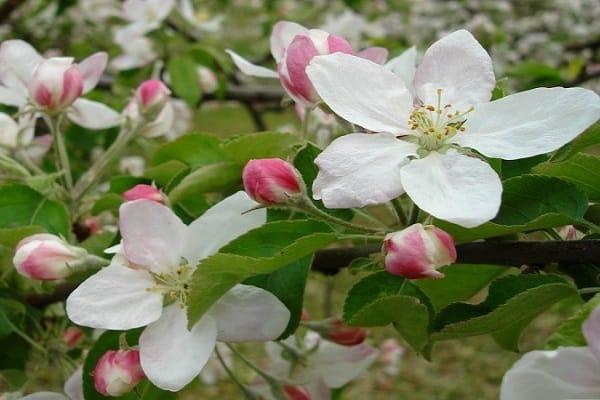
184	79
591	137
23	206
381	299
14	352
512	168
121	184
194	150
461	283
581	169
12	236
569	332
260	251
107	202
288	284
215	177
261	145
166	174
109	340
513	301
529	202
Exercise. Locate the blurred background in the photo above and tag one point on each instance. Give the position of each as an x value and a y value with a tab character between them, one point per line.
532	43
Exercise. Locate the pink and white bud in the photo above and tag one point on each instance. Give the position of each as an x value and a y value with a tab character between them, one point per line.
295	393
271	181
72	335
390	353
158	125
208	80
56	83
418	251
117	372
338	332
152	96
46	257
298	54
142	191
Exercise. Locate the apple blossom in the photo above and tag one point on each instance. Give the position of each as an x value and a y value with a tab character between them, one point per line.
316	365
142	191
199	18
420	141
295	393
53	84
418	251
334	330
208	80
117	372
152	96
147	284
72	336
158	126
293	47
9	132
390	353
564	373
46	257
271	181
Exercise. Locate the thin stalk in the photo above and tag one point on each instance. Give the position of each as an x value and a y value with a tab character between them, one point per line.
13	165
247	393
552	234
413	216
369	217
60	149
400	212
95	172
271	380
25	337
308	206
589	290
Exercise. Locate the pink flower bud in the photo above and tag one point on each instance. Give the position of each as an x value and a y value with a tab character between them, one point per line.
271	181
117	372
151	96
417	251
298	55
342	334
296	393
46	257
72	335
56	83
142	191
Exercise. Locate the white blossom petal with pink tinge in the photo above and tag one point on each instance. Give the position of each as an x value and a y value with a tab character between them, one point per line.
591	331
361	169
454	187
170	354
529	123
92	68
251	69
362	92
282	35
93	115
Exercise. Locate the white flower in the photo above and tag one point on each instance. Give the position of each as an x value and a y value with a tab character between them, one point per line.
421	140
150	289
564	373
324	365
18	63
198	18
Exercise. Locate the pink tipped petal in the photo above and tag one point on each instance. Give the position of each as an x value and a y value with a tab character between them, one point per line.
171	355
337	44
141	191
459	66
591	331
251	69
116	297
153	236
19	58
282	35
221	224
271	181
362	92
72	86
457	188
117	372
91	69
93	115
298	55
376	54
529	123
360	169
338	364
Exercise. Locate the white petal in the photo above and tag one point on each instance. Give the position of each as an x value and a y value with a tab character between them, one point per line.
567	373
222	223
339	365
360	169
93	115
45	396
170	354
591	331
318	390
74	385
251	69
454	187
13	91
116	297
362	92
249	314
530	123
20	58
460	66
405	66
282	35
9	131
153	236
92	68
162	8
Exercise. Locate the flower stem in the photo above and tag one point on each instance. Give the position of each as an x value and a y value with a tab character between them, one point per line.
589	290
95	172
400	212
271	380
25	337
307	206
60	150
247	393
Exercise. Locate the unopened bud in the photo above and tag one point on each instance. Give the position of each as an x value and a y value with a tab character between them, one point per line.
152	96
343	334
72	336
147	192
271	181
117	372
295	393
56	83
